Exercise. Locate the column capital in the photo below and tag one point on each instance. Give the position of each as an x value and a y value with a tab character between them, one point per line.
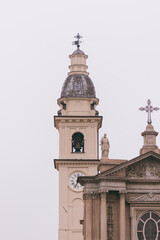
91	195
95	195
122	193
87	196
103	194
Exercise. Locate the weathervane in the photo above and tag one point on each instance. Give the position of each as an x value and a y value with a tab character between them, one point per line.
149	109
77	42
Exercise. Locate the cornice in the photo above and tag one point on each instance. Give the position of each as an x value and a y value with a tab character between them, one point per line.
96	179
78	119
72	162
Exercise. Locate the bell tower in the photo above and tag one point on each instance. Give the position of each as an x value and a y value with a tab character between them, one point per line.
78	123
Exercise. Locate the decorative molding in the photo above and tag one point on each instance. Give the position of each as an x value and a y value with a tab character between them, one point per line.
71	162
150	197
110	222
122	193
95	195
144	169
86	196
77	119
103	194
136	212
92	195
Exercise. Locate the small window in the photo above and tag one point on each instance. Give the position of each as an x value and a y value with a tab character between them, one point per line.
78	142
148	227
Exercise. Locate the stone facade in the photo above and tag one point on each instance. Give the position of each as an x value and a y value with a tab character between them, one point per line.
115	200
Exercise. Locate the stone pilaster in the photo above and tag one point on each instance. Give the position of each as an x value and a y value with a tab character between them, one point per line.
122	217
103	216
88	216
96	216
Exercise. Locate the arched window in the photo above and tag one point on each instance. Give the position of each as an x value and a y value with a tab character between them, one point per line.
149	226
78	142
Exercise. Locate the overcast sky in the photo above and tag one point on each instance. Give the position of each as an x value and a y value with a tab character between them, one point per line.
122	40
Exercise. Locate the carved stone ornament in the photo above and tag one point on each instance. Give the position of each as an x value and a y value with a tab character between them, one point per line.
110	222
95	195
145	169
92	195
103	194
150	197
122	193
136	212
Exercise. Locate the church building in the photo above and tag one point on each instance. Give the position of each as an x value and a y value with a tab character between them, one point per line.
122	202
102	199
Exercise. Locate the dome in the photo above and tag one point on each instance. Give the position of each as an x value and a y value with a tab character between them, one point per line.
78	51
78	85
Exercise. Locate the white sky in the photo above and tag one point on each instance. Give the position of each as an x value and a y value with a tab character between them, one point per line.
122	40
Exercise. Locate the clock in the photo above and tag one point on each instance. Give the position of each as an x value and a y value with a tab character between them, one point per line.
73	181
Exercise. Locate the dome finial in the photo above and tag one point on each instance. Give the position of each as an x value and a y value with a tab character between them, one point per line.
77	42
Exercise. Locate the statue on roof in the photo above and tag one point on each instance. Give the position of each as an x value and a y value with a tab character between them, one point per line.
104	146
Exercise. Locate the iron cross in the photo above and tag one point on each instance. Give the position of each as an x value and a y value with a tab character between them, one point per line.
78	36
149	108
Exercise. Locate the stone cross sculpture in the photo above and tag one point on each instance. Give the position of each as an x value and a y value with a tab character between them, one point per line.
149	108
104	146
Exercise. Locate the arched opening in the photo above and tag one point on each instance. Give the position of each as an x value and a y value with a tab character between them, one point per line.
148	227
78	142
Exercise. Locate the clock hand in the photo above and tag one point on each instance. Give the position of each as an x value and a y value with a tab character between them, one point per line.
76	183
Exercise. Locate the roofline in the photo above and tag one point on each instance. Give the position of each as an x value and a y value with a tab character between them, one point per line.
82	98
102	175
126	164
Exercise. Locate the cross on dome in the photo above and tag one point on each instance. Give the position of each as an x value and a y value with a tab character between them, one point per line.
77	42
149	108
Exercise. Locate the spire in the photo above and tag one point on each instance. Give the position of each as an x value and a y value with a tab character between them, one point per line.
78	59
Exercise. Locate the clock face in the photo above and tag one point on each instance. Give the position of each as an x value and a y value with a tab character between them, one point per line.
73	181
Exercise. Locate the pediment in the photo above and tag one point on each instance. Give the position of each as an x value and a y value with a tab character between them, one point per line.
147	169
146	166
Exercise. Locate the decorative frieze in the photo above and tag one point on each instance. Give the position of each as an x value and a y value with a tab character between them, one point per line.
150	197
144	169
